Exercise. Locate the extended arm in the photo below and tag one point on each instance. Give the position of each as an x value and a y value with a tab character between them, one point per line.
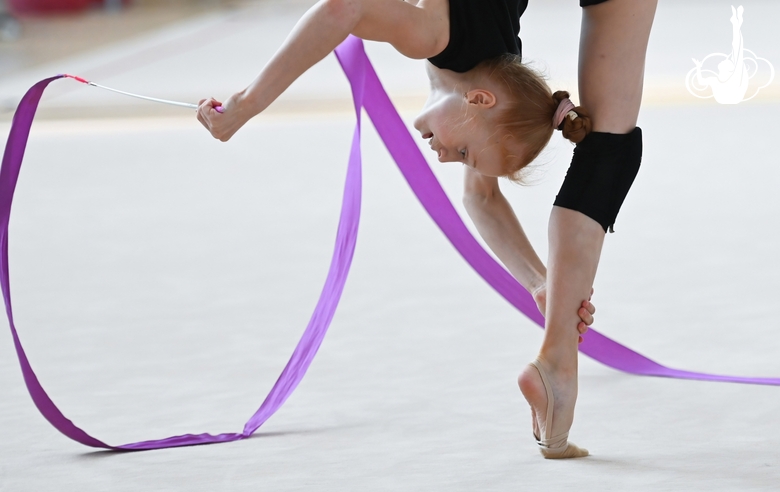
498	225
416	30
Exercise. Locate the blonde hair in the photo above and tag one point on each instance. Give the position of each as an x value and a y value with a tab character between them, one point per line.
528	117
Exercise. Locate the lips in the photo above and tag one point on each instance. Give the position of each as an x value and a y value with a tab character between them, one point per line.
429	137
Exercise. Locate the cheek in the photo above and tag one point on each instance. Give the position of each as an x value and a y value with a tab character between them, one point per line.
446	115
453	131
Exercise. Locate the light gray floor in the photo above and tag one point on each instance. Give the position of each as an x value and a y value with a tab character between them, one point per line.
161	280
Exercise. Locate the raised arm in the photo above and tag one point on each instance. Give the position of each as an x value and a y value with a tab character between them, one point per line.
417	30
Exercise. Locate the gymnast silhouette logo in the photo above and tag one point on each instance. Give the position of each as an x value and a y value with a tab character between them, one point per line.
730	84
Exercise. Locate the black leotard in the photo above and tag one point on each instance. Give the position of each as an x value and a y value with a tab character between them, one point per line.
480	30
484	29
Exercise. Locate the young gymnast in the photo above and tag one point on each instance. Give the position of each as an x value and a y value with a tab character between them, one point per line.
495	115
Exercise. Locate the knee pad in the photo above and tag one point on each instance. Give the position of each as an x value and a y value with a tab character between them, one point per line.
601	173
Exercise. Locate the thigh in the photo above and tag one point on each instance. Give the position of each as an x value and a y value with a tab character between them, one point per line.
417	28
613	45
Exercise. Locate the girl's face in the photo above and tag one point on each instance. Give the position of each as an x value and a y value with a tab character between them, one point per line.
458	129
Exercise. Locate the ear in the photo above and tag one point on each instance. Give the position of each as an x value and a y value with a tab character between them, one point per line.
481	97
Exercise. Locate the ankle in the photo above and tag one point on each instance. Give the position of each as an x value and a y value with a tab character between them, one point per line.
562	367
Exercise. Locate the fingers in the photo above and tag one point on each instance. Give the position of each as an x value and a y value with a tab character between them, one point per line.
585	316
582	328
209	117
586	312
202	113
210	102
213	103
199	113
206	106
587	305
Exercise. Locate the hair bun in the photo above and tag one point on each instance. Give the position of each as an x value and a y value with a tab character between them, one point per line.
574	129
578	128
560	96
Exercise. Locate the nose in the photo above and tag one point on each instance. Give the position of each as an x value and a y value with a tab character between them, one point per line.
418	124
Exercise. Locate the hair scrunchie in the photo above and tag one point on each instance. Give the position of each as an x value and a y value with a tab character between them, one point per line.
565	108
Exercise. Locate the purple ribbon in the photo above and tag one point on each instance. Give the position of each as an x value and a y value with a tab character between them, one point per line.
368	94
302	355
432	197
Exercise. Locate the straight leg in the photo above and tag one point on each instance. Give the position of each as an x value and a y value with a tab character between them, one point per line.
613	46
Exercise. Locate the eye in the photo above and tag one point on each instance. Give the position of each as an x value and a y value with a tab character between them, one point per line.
463	153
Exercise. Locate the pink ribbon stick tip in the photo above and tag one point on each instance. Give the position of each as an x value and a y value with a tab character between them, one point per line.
75	77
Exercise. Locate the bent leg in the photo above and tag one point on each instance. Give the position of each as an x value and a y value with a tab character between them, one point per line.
415	30
329	22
